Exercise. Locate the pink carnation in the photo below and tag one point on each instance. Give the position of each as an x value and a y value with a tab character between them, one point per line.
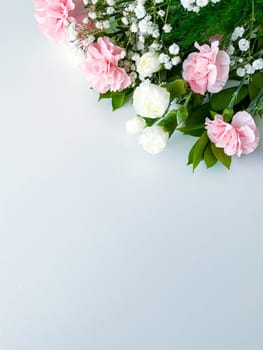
207	70
241	136
101	67
53	16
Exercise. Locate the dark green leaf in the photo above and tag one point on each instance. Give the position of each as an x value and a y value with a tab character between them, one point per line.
150	121
209	158
255	85
195	130
182	114
106	95
221	100
177	88
191	154
200	149
198	115
169	122
221	156
117	101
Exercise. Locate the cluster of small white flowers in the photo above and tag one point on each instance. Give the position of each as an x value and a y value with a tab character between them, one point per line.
195	5
171	58
239	50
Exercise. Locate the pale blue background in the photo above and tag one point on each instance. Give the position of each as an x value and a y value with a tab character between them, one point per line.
103	247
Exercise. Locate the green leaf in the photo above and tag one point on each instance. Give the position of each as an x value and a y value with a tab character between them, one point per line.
199	150
196	153
209	158
117	101
169	122
255	85
196	100
195	130
182	114
198	115
177	88
105	95
221	100
221	156
191	154
150	121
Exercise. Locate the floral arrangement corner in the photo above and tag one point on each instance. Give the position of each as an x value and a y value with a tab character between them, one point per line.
191	66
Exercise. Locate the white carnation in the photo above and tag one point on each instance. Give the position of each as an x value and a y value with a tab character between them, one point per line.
150	100
154	139
135	125
148	64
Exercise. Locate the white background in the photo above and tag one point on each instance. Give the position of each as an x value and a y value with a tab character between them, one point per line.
102	246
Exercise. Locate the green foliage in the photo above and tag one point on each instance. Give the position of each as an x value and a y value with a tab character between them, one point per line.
118	99
221	100
221	156
209	158
203	149
255	85
215	19
196	154
169	122
176	88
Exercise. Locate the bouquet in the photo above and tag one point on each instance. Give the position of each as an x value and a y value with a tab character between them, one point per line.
188	66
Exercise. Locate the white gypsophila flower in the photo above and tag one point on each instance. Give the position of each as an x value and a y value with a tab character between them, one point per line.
71	31
89	39
125	21
240	72
201	3
163	58
174	49
156	33
154	139
167	28
92	15
134	28
249	69
85	20
106	24
135	125
150	100
258	64
161	13
148	64
140	11
230	50
243	44
168	65
188	4
237	33
155	46
176	60
110	10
